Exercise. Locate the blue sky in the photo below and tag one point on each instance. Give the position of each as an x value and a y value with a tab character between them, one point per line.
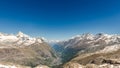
59	19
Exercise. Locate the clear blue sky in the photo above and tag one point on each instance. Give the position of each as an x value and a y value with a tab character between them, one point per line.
59	19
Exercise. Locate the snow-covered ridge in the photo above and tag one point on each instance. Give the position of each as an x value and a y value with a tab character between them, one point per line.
89	37
92	40
108	49
18	39
97	37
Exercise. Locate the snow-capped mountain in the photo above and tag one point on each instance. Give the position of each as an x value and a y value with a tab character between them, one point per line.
90	39
19	39
21	48
87	43
101	50
24	50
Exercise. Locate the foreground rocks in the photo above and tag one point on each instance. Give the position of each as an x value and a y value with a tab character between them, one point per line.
42	66
10	65
72	65
77	65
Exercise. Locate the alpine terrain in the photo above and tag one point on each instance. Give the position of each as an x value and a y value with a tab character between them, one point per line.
82	51
23	51
90	51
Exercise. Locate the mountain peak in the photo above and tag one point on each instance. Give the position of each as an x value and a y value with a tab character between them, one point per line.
19	39
21	34
88	36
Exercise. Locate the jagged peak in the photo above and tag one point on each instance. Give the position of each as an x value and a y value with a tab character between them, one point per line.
94	37
83	36
99	35
18	39
89	35
21	34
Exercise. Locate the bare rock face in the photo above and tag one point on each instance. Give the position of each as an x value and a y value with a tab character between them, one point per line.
72	65
42	66
12	66
32	55
96	60
77	65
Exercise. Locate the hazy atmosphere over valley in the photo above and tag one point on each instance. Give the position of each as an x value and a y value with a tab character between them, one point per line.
59	33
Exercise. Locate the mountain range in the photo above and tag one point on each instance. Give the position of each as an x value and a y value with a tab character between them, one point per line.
26	51
90	51
82	51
